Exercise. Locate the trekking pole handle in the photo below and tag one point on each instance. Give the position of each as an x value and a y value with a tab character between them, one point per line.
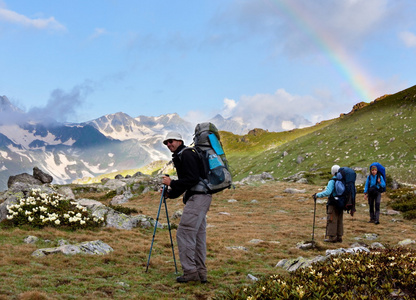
165	187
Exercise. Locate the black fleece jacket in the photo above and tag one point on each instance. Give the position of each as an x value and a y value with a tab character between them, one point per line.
189	169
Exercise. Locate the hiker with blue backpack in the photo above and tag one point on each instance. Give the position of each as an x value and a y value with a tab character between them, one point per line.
191	233
334	224
374	186
341	194
202	171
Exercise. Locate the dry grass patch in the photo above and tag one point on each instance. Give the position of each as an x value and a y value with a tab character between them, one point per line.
243	237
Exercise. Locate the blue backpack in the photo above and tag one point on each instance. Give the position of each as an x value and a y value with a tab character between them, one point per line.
345	190
381	171
209	149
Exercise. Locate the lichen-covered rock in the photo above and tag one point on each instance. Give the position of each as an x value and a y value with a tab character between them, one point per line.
24	178
94	248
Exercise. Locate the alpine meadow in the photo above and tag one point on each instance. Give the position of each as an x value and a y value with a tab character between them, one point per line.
253	228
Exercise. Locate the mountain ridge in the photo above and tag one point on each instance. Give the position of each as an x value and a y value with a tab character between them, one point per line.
118	142
69	151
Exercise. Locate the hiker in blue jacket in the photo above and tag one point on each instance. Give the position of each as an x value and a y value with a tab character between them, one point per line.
374	184
334	223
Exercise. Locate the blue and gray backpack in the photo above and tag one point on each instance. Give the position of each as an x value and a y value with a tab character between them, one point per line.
345	190
208	146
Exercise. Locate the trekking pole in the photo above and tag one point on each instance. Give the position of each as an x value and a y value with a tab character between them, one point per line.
154	231
314	212
170	233
162	198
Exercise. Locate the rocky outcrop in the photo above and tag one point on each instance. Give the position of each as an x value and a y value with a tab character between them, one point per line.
23	178
94	247
263	177
38	178
42	176
301	262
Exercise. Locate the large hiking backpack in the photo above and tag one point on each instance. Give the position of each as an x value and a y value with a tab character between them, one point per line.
345	190
381	171
209	148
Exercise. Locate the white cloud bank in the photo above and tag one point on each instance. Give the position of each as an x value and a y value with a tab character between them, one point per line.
12	17
276	112
408	38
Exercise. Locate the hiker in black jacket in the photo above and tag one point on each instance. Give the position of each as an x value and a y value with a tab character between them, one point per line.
191	234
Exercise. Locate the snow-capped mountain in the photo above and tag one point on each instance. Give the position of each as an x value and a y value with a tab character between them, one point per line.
110	143
231	125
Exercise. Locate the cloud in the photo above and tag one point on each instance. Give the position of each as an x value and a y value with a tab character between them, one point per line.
97	33
228	107
276	112
288	125
301	27
409	38
19	19
61	105
195	116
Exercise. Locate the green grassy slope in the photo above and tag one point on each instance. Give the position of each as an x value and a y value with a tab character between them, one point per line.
383	131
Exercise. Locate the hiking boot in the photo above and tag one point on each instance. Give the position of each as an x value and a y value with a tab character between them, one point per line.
339	239
331	239
188	277
371	221
376	222
204	280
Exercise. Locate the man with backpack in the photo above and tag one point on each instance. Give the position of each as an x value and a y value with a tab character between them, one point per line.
334	224
373	188
191	233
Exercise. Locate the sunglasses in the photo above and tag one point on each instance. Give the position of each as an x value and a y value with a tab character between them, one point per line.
168	142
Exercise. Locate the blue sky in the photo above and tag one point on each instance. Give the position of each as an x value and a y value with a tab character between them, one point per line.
274	64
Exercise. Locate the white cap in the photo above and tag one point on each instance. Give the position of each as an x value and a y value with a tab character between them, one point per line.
334	169
172	136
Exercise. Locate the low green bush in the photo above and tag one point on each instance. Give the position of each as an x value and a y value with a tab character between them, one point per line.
404	200
123	209
384	274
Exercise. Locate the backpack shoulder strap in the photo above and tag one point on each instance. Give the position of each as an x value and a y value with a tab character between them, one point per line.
186	148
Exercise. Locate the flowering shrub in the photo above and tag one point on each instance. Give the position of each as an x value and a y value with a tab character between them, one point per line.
42	209
385	274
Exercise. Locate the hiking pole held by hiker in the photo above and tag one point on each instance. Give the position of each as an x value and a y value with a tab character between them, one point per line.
162	199
314	212
164	195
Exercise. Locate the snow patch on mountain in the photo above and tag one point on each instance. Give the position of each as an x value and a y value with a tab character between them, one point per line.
57	170
5	155
17	135
25	138
93	168
20	152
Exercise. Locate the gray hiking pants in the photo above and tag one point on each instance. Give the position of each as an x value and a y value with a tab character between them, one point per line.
191	235
334	222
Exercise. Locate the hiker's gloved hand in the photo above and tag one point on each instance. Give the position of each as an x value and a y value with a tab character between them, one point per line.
314	197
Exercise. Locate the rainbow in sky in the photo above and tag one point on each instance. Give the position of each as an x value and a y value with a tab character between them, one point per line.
344	63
